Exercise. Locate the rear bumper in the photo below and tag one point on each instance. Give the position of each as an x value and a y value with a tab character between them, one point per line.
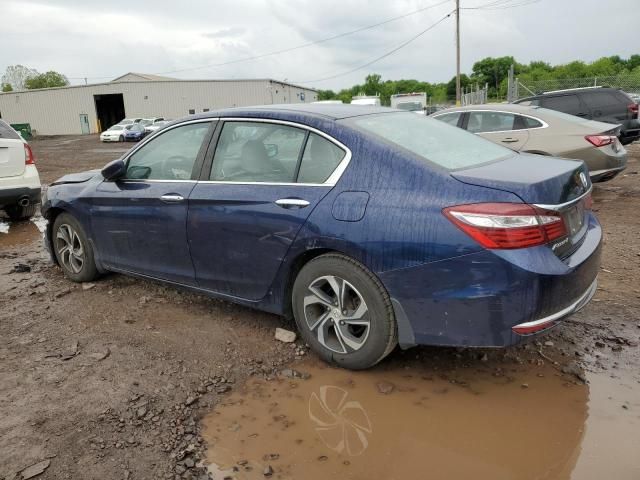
477	299
11	196
605	174
13	189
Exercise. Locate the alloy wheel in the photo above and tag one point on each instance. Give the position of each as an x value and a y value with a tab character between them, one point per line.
337	314
69	247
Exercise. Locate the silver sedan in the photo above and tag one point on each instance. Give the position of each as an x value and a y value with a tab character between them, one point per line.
545	132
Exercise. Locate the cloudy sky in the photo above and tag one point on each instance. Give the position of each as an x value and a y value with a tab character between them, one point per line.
185	39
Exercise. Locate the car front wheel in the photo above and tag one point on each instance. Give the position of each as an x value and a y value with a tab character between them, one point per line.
72	249
343	312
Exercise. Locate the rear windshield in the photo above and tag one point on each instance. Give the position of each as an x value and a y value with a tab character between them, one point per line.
447	146
7	132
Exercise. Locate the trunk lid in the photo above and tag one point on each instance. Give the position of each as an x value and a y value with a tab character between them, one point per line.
547	182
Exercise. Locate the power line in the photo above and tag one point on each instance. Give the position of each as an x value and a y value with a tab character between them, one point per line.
291	49
390	52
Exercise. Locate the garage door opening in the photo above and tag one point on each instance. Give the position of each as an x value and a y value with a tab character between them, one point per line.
109	110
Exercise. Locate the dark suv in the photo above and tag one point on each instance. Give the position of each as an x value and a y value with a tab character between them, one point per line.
596	103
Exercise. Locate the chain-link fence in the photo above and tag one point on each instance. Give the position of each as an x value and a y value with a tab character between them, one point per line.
523	88
475	96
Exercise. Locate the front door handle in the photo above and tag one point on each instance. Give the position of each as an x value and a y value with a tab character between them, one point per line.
292	203
509	140
172	198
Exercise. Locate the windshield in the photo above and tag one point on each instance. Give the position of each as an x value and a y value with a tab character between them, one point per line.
145	121
116	127
411	106
435	141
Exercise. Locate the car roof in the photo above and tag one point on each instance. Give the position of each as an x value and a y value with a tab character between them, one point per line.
324	110
568	91
503	107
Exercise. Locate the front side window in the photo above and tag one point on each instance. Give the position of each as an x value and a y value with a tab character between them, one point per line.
321	157
257	152
450	118
485	122
170	155
434	141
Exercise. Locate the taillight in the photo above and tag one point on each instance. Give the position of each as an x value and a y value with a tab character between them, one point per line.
600	140
507	225
28	155
633	110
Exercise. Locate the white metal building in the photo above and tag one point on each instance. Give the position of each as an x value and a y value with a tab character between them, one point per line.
83	109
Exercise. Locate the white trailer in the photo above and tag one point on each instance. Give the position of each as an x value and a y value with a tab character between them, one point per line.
373	100
414	102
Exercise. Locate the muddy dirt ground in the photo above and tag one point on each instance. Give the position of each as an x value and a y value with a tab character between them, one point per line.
127	379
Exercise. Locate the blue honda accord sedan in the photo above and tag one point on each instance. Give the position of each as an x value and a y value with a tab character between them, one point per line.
371	227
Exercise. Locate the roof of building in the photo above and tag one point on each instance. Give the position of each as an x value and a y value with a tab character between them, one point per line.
165	80
141	76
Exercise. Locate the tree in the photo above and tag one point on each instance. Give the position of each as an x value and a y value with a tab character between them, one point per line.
17	75
465	81
326	95
46	80
6	87
492	71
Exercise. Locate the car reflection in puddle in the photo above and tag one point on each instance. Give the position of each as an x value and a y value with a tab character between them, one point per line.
401	422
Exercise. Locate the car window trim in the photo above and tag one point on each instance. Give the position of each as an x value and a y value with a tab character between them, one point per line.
544	124
331	180
197	165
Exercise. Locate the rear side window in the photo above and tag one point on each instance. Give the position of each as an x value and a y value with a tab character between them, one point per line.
446	146
485	122
564	103
320	159
528	122
7	132
450	118
600	99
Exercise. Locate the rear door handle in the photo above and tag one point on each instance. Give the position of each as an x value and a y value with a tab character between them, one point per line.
292	203
509	140
172	198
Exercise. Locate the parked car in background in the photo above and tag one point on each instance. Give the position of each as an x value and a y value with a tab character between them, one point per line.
129	121
155	126
545	132
282	208
596	103
134	132
145	122
19	179
113	134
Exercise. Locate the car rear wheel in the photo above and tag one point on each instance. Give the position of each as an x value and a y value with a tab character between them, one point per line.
72	249
343	312
17	212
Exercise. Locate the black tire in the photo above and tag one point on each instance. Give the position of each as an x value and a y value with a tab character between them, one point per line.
17	213
121	139
381	336
88	270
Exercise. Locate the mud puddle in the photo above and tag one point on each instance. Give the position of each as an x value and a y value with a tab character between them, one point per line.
493	422
21	233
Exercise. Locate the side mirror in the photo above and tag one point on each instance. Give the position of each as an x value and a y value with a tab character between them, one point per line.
114	170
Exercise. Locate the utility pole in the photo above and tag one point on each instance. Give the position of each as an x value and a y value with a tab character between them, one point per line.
458	93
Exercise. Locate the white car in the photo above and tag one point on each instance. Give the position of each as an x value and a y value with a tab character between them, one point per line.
113	134
19	179
154	127
129	121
